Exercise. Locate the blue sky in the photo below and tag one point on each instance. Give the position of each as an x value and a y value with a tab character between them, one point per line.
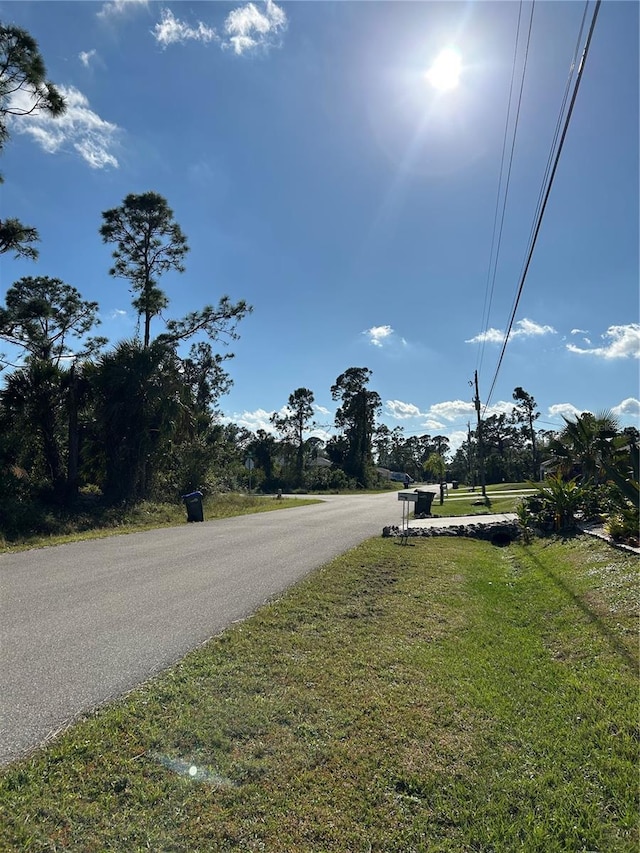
319	175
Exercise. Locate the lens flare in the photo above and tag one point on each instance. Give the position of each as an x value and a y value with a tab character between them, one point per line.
445	72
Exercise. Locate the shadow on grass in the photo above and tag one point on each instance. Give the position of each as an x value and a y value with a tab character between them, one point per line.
631	661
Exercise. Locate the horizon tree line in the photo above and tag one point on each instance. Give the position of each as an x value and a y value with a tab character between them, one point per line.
141	420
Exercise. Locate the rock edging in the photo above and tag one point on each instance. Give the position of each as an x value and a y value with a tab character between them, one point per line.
497	532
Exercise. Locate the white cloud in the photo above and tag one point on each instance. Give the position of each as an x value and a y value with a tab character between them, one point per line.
91	136
113	8
461	410
456	439
579	332
441	414
169	30
452	410
567	410
117	314
259	419
248	27
620	342
522	329
399	410
378	334
528	329
491	336
85	57
321	409
627	408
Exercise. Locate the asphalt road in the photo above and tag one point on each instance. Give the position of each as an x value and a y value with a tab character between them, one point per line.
81	624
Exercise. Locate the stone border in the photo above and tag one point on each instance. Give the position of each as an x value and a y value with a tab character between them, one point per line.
498	532
599	532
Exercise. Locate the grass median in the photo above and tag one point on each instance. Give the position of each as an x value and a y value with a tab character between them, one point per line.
441	696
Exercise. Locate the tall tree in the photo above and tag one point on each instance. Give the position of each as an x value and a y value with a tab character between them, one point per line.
263	449
140	406
41	315
40	318
436	466
297	418
149	243
356	416
382	444
24	90
525	411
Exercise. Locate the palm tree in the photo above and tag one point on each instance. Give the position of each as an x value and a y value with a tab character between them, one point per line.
33	395
586	444
140	406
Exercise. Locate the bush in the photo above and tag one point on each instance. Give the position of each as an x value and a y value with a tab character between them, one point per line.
556	504
329	480
623	524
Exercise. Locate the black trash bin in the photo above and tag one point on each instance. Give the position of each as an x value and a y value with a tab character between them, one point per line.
423	504
193	503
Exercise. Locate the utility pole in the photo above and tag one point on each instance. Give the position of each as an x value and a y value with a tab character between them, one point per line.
471	472
480	442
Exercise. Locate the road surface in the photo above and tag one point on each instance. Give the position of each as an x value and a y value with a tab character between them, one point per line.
83	623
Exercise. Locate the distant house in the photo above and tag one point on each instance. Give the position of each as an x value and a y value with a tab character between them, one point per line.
548	468
319	462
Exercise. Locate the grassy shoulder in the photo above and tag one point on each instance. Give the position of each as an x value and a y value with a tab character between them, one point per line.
443	696
94	522
472	504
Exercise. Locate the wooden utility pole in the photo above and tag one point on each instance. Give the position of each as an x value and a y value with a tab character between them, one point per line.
480	442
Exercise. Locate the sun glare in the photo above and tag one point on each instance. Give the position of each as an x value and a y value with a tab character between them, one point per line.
444	74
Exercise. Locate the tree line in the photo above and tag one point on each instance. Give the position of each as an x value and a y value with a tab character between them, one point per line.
140	420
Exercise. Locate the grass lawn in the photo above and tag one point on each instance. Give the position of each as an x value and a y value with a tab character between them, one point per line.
456	505
96	522
444	696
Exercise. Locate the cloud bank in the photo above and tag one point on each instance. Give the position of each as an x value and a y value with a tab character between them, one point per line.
619	342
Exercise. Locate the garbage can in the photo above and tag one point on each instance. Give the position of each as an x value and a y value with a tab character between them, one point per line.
454	484
193	503
423	504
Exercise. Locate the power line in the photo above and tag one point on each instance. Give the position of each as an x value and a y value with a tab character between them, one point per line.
541	212
561	112
495	245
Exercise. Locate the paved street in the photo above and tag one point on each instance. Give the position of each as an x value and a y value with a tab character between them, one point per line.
81	624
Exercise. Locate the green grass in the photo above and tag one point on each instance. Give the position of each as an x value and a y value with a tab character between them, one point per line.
455	505
505	487
449	696
492	487
95	522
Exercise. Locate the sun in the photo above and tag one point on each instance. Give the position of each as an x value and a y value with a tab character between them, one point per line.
444	74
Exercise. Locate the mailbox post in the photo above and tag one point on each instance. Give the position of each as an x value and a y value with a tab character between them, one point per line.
407	498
